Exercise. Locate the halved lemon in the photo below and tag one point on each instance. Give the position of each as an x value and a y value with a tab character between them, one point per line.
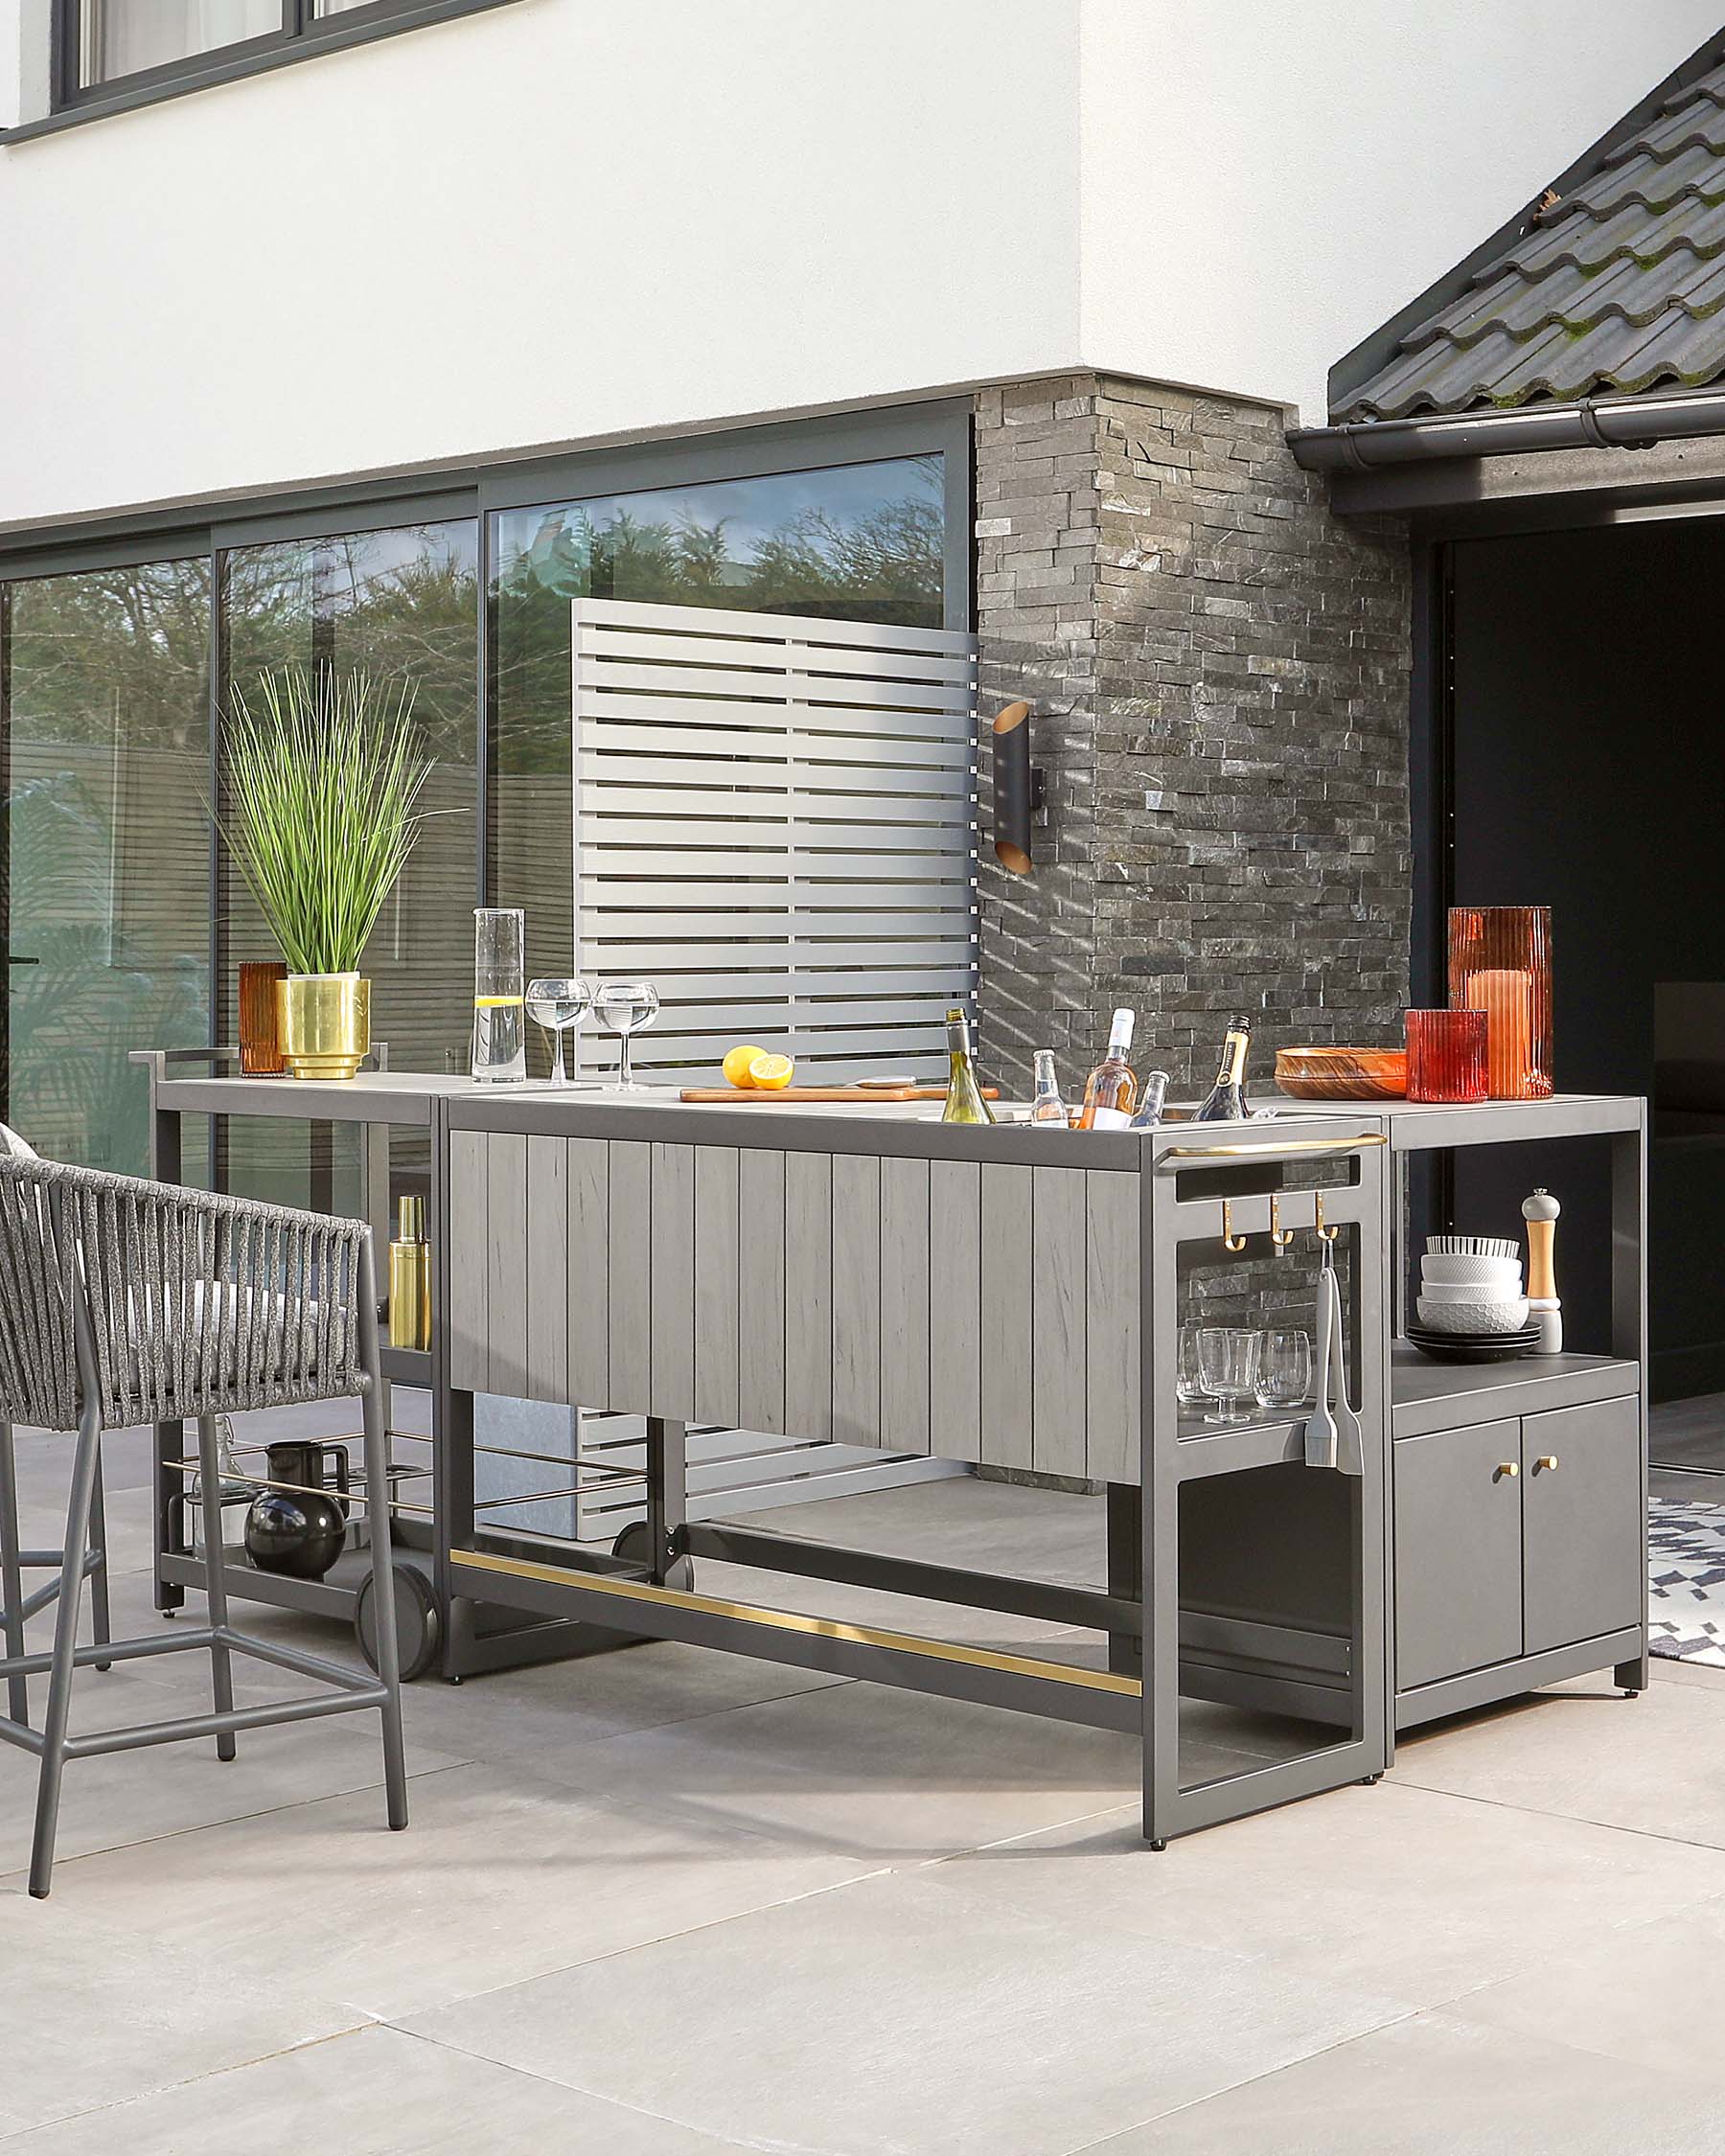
772	1074
737	1063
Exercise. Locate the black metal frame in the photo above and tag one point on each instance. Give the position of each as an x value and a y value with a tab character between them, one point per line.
303	34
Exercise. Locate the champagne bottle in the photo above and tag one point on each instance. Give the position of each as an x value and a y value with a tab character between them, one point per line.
1112	1090
1226	1100
964	1102
1047	1106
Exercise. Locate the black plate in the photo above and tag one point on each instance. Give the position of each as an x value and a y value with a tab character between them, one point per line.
1473	1347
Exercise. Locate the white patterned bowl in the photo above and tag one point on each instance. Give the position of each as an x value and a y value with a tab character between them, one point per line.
1447	1269
1506	1317
1472	1291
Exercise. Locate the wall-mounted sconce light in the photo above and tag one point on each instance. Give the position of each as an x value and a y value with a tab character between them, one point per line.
1018	788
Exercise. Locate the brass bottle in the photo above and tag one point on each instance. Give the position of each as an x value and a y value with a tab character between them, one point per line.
410	1278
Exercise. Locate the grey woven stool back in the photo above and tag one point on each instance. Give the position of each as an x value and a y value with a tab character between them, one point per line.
125	1302
196	1304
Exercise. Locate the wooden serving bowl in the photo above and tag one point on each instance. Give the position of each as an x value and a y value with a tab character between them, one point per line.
1342	1073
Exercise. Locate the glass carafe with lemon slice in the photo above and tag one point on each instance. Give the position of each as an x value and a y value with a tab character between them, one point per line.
499	990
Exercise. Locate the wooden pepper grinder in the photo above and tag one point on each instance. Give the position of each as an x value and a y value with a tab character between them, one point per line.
1540	1212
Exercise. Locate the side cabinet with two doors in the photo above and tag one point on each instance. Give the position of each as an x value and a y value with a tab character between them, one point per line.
1513	1538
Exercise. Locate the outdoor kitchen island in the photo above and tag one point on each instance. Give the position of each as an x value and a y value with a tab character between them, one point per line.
1011	1296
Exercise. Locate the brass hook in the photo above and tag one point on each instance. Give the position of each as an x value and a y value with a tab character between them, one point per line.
1324	1234
1229	1240
1279	1236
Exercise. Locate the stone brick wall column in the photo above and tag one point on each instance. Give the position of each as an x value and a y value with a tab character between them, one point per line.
1218	670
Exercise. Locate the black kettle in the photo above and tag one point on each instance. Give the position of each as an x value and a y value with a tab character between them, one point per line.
300	1532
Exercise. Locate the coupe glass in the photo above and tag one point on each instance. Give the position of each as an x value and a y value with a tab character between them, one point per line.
1189	1384
1285	1372
558	1007
628	1007
1228	1360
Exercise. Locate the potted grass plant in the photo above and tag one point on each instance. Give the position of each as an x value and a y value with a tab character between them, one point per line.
325	768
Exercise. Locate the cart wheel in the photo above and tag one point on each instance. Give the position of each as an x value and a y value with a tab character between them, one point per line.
419	1623
635	1548
631	1543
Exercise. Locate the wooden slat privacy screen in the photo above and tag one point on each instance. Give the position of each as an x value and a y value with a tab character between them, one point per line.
775	823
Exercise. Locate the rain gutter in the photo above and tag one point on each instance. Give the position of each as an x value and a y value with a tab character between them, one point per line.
1595	422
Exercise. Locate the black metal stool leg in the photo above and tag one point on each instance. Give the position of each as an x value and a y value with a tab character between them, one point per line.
12	1575
101	1630
65	1643
221	1666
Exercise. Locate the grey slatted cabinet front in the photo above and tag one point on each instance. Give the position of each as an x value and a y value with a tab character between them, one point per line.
974	1312
1457	1552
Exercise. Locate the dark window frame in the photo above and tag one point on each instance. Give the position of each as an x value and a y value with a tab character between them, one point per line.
302	36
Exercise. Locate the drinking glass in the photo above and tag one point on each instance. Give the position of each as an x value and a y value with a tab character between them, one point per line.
1190	1383
1285	1372
1228	1360
1447	1055
628	1007
499	1037
558	1007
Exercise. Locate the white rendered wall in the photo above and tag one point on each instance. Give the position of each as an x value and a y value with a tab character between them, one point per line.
561	219
578	219
1266	181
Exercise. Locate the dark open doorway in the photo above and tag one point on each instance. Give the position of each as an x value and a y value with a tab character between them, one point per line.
1587	771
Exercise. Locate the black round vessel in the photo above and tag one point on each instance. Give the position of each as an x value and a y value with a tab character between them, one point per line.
298	1536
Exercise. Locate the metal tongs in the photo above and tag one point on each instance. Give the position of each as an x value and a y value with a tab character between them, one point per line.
1333	1436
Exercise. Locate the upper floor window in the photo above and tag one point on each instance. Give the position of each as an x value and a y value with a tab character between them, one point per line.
105	50
118	39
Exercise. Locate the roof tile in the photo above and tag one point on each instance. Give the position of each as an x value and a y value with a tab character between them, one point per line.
1619	287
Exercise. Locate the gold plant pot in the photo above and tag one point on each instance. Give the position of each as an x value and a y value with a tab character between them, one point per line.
325	1023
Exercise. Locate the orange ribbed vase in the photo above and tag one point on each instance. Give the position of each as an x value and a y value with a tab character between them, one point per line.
1500	962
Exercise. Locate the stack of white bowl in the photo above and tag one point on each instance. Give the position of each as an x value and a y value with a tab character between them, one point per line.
1472	1284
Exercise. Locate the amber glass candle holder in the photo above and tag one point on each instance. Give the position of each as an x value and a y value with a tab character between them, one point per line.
1446	1055
1500	962
260	1041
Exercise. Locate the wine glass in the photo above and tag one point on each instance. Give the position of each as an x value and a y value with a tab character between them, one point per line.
1229	1358
1285	1376
558	1007
628	1007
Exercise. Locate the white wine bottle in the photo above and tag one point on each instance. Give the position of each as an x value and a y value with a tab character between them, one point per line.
1226	1100
964	1102
1112	1090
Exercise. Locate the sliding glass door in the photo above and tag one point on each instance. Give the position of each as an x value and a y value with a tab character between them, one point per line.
123	922
105	709
402	605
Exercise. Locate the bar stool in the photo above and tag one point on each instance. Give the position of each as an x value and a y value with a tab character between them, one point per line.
125	1302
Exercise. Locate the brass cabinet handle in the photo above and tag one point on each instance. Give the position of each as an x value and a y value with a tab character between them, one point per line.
1546	1459
1509	1467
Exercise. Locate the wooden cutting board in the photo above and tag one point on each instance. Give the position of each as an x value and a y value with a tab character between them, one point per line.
733	1096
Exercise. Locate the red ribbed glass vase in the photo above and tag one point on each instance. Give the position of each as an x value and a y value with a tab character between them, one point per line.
1446	1055
1500	962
